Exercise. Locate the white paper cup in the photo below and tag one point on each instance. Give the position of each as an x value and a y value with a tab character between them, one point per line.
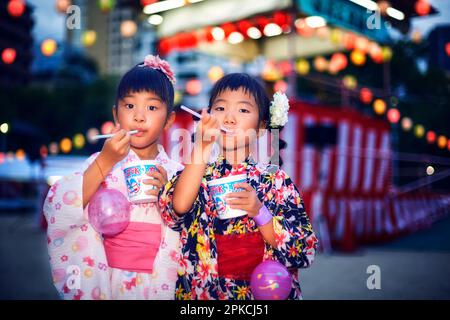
135	172
218	188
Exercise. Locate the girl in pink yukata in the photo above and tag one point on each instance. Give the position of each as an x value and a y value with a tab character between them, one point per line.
141	261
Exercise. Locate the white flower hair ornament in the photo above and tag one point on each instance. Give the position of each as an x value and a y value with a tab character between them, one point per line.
155	62
279	108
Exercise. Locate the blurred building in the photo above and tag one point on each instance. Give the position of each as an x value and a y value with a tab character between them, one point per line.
15	33
114	52
438	51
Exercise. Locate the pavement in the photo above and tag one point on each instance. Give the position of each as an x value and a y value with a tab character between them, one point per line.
416	266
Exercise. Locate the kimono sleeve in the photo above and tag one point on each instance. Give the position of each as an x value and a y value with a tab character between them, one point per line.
295	239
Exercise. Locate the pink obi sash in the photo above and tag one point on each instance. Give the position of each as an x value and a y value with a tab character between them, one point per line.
135	248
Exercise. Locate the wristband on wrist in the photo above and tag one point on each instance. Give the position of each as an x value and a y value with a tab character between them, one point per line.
264	216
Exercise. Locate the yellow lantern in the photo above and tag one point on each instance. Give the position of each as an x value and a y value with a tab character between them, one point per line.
350	82
128	28
387	54
419	130
358	57
270	73
215	73
65	145
336	36
442	142
302	67
48	47
88	38
79	141
178	97
379	106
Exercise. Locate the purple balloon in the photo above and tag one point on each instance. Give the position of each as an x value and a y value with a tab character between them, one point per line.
271	281
109	211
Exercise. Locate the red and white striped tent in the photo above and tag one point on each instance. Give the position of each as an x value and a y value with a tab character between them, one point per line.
346	186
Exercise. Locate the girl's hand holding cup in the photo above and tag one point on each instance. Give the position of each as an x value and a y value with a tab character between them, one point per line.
245	200
159	179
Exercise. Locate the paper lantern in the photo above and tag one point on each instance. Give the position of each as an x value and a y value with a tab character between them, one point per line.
243	26
323	32
16	8
254	33
393	115
302	67
358	57
416	36
9	55
62	5
215	73
106	5
128	28
4	127
387	54
2	158
349	41
419	130
178	97
147	2
65	145
376	53
194	87
422	7
53	148
431	136
362	44
20	155
365	95
339	60
218	33
442	142
447	48
235	37
43	151
48	47
350	82
320	63
270	72
79	141
303	29
280	85
285	67
91	133
406	123
379	106
336	36
88	38
107	127
429	170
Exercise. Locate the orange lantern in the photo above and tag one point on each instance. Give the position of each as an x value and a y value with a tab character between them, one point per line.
379	106
339	60
407	124
9	55
447	48
280	85
48	47
128	28
20	155
350	82
320	63
442	142
16	8
215	73
358	57
62	5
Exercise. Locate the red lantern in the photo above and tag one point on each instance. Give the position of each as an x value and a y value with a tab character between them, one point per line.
366	95
262	22
43	151
16	8
350	41
431	136
147	2
9	55
243	26
393	115
447	48
422	7
228	28
164	46
285	67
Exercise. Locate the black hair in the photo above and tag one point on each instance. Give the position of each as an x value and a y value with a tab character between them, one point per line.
254	87
142	78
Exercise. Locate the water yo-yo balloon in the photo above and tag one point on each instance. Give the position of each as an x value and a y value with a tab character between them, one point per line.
271	281
109	211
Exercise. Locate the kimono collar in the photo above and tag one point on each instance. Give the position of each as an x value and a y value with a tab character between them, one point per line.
161	157
221	161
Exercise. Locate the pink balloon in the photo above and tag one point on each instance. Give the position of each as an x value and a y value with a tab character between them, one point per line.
271	281
109	211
